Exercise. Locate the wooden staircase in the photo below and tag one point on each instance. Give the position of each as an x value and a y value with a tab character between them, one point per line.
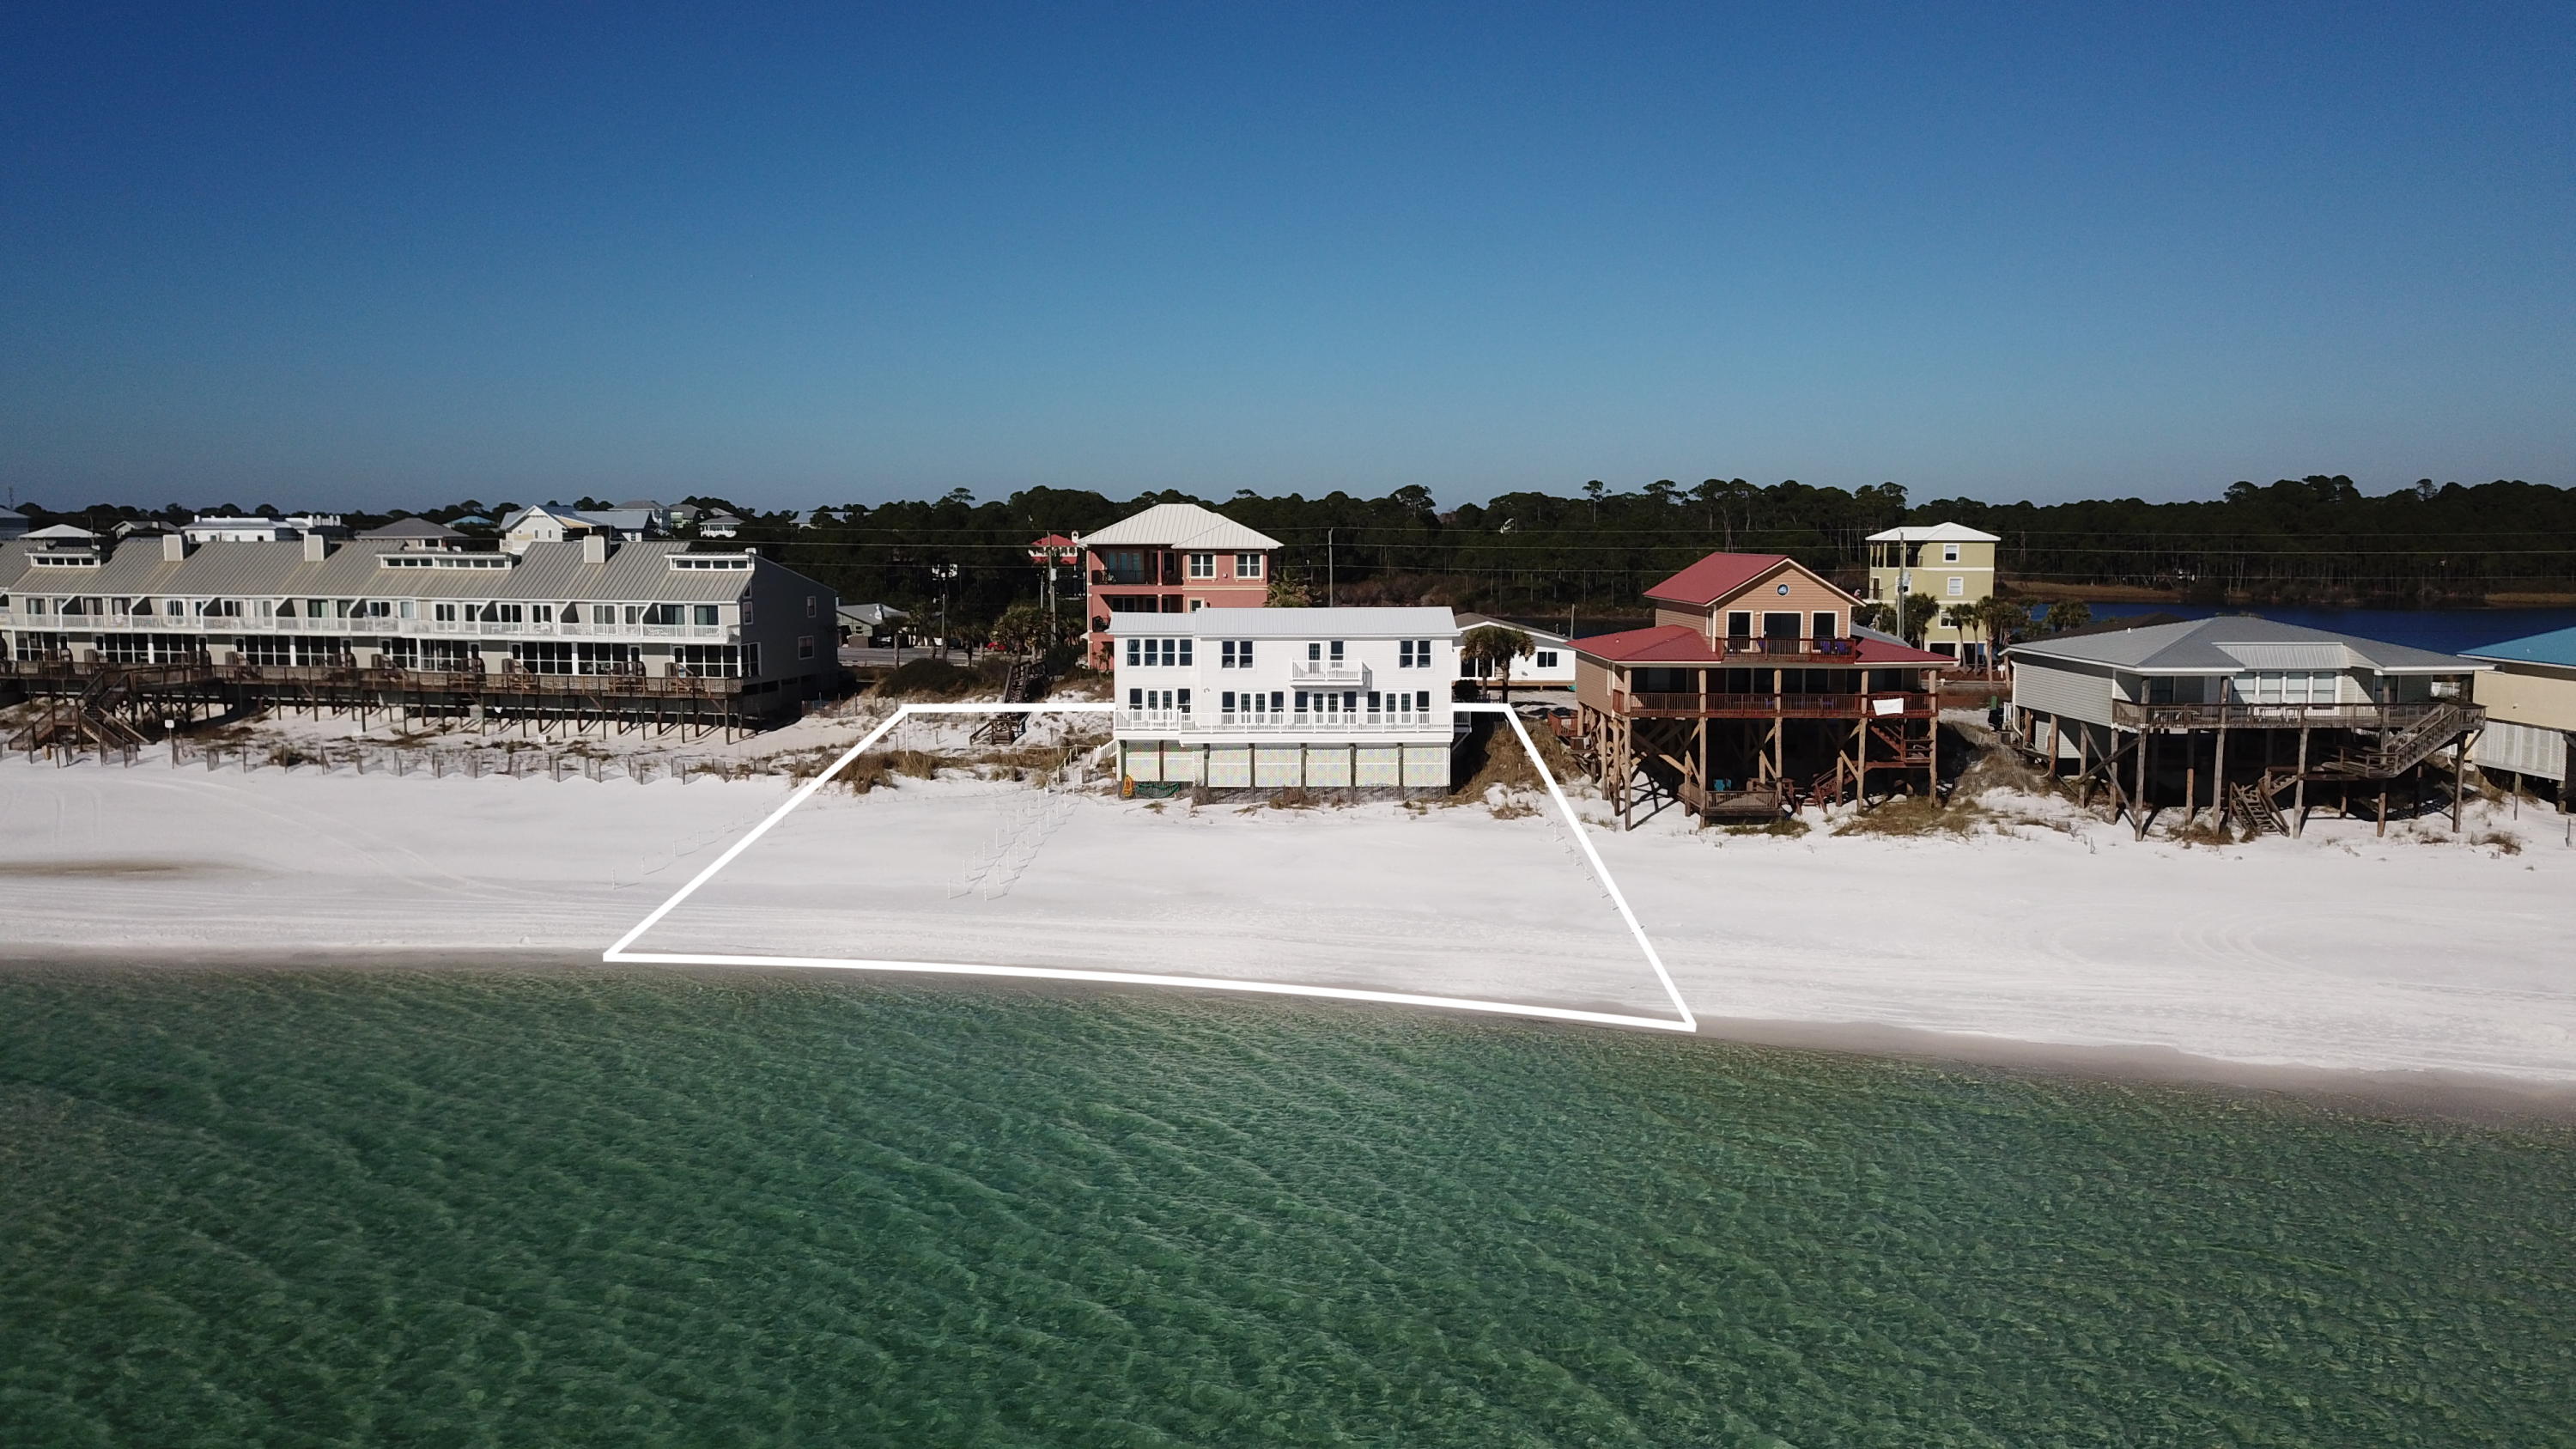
1025	684
2257	807
86	718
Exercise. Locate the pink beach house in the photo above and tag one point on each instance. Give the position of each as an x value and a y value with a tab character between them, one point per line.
1173	558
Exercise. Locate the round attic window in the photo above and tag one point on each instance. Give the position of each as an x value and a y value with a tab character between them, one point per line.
1784	591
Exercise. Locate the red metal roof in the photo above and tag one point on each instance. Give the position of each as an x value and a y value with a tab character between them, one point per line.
1716	577
1681	644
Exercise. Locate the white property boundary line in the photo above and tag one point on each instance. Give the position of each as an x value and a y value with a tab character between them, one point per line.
1601	871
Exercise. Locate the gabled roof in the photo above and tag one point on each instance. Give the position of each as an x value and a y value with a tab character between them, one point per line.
1933	533
2558	647
1478	621
60	530
1724	575
2231	642
1178	525
633	572
410	527
1681	644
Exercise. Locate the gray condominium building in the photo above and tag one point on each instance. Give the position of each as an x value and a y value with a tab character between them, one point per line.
573	631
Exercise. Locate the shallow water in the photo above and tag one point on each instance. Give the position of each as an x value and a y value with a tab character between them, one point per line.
491	1208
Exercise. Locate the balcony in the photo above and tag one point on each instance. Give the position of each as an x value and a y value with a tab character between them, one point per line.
2234	715
1281	722
1784	647
1333	674
1909	705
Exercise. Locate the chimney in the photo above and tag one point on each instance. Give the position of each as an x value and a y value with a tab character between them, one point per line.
594	547
316	548
174	547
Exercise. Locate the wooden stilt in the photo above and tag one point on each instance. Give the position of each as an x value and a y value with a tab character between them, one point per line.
2299	797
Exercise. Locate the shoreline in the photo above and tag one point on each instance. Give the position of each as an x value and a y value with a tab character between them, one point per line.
2456	1098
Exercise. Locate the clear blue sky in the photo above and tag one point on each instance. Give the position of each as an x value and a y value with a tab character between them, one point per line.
362	255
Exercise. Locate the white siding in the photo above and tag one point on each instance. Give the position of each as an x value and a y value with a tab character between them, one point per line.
2061	690
2522	749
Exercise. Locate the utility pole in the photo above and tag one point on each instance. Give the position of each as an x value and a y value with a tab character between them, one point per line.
944	573
1328	568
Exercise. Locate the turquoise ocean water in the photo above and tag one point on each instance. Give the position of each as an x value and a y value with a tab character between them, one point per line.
304	1208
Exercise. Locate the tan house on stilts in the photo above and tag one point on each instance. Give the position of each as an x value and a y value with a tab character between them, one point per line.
2247	718
1752	693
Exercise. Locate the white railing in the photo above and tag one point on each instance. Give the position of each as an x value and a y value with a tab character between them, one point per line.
1282	722
413	628
1339	675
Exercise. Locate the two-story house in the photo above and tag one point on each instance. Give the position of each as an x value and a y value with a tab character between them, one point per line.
626	627
2530	700
1950	563
1277	698
1752	690
1173	558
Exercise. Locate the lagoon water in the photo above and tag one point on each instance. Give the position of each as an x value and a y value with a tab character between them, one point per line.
512	1208
2446	630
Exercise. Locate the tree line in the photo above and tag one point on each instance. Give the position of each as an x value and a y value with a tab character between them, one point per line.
1594	550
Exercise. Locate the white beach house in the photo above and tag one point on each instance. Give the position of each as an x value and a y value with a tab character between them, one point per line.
1276	698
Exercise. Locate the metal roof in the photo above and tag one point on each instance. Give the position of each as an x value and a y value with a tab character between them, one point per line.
1934	533
1722	575
1293	624
634	573
2558	647
2231	642
1178	525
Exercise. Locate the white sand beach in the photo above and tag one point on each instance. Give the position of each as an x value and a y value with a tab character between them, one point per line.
2338	951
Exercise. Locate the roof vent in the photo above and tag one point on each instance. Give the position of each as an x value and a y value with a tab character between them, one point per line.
174	547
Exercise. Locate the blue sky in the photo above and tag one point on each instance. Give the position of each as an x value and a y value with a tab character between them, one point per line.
363	255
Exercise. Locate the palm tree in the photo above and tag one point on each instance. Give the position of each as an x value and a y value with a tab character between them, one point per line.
2068	614
1964	619
1495	646
2001	620
1914	615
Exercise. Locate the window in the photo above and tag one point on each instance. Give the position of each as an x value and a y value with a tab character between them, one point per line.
1337	651
1403	655
1957	587
746	610
1247	566
172	608
601	614
810	606
1202	565
705	615
1825	625
1135	653
1739	624
1544	659
537	613
444	613
710	661
804	646
750	658
1949	553
1234	654
543	657
1422	701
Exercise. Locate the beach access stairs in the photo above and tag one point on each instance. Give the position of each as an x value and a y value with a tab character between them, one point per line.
1025	684
91	717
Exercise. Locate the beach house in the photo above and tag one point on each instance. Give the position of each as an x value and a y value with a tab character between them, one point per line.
554	523
1950	563
1753	691
2241	715
1260	698
2530	698
1172	558
570	632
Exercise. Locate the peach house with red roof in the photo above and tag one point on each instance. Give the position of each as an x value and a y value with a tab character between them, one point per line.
1753	692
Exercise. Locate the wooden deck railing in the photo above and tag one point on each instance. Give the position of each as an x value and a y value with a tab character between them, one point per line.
1763	706
2278	716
